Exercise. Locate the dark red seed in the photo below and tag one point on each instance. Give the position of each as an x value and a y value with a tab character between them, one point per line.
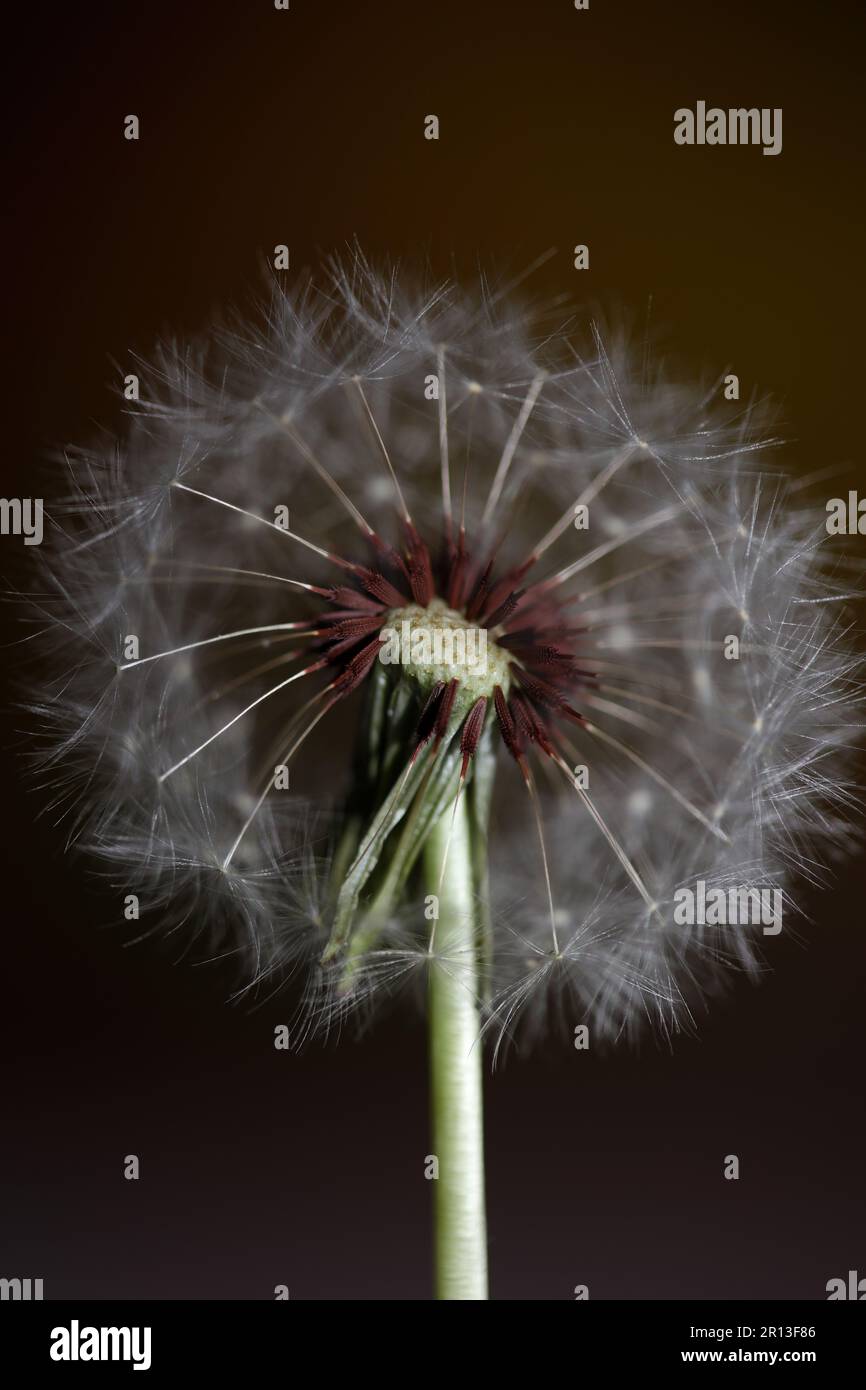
418	568
358	668
530	723
506	585
504	611
539	691
382	589
446	705
471	732
427	717
340	627
349	636
510	734
386	553
479	593
344	597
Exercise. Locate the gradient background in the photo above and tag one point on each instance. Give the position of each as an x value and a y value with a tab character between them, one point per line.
261	127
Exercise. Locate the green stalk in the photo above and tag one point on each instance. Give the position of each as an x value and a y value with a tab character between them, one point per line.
456	1063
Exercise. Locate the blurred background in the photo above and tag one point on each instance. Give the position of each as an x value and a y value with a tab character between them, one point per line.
305	127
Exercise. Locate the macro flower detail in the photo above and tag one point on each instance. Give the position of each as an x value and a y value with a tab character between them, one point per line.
411	639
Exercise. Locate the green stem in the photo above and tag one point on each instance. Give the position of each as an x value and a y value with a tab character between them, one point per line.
456	1064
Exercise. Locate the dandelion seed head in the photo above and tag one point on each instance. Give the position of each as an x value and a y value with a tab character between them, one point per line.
221	735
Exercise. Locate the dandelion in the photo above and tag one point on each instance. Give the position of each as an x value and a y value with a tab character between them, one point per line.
268	720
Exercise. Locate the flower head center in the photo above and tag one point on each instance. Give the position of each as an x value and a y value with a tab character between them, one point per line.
434	645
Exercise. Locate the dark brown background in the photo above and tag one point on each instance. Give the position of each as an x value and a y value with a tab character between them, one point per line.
261	127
